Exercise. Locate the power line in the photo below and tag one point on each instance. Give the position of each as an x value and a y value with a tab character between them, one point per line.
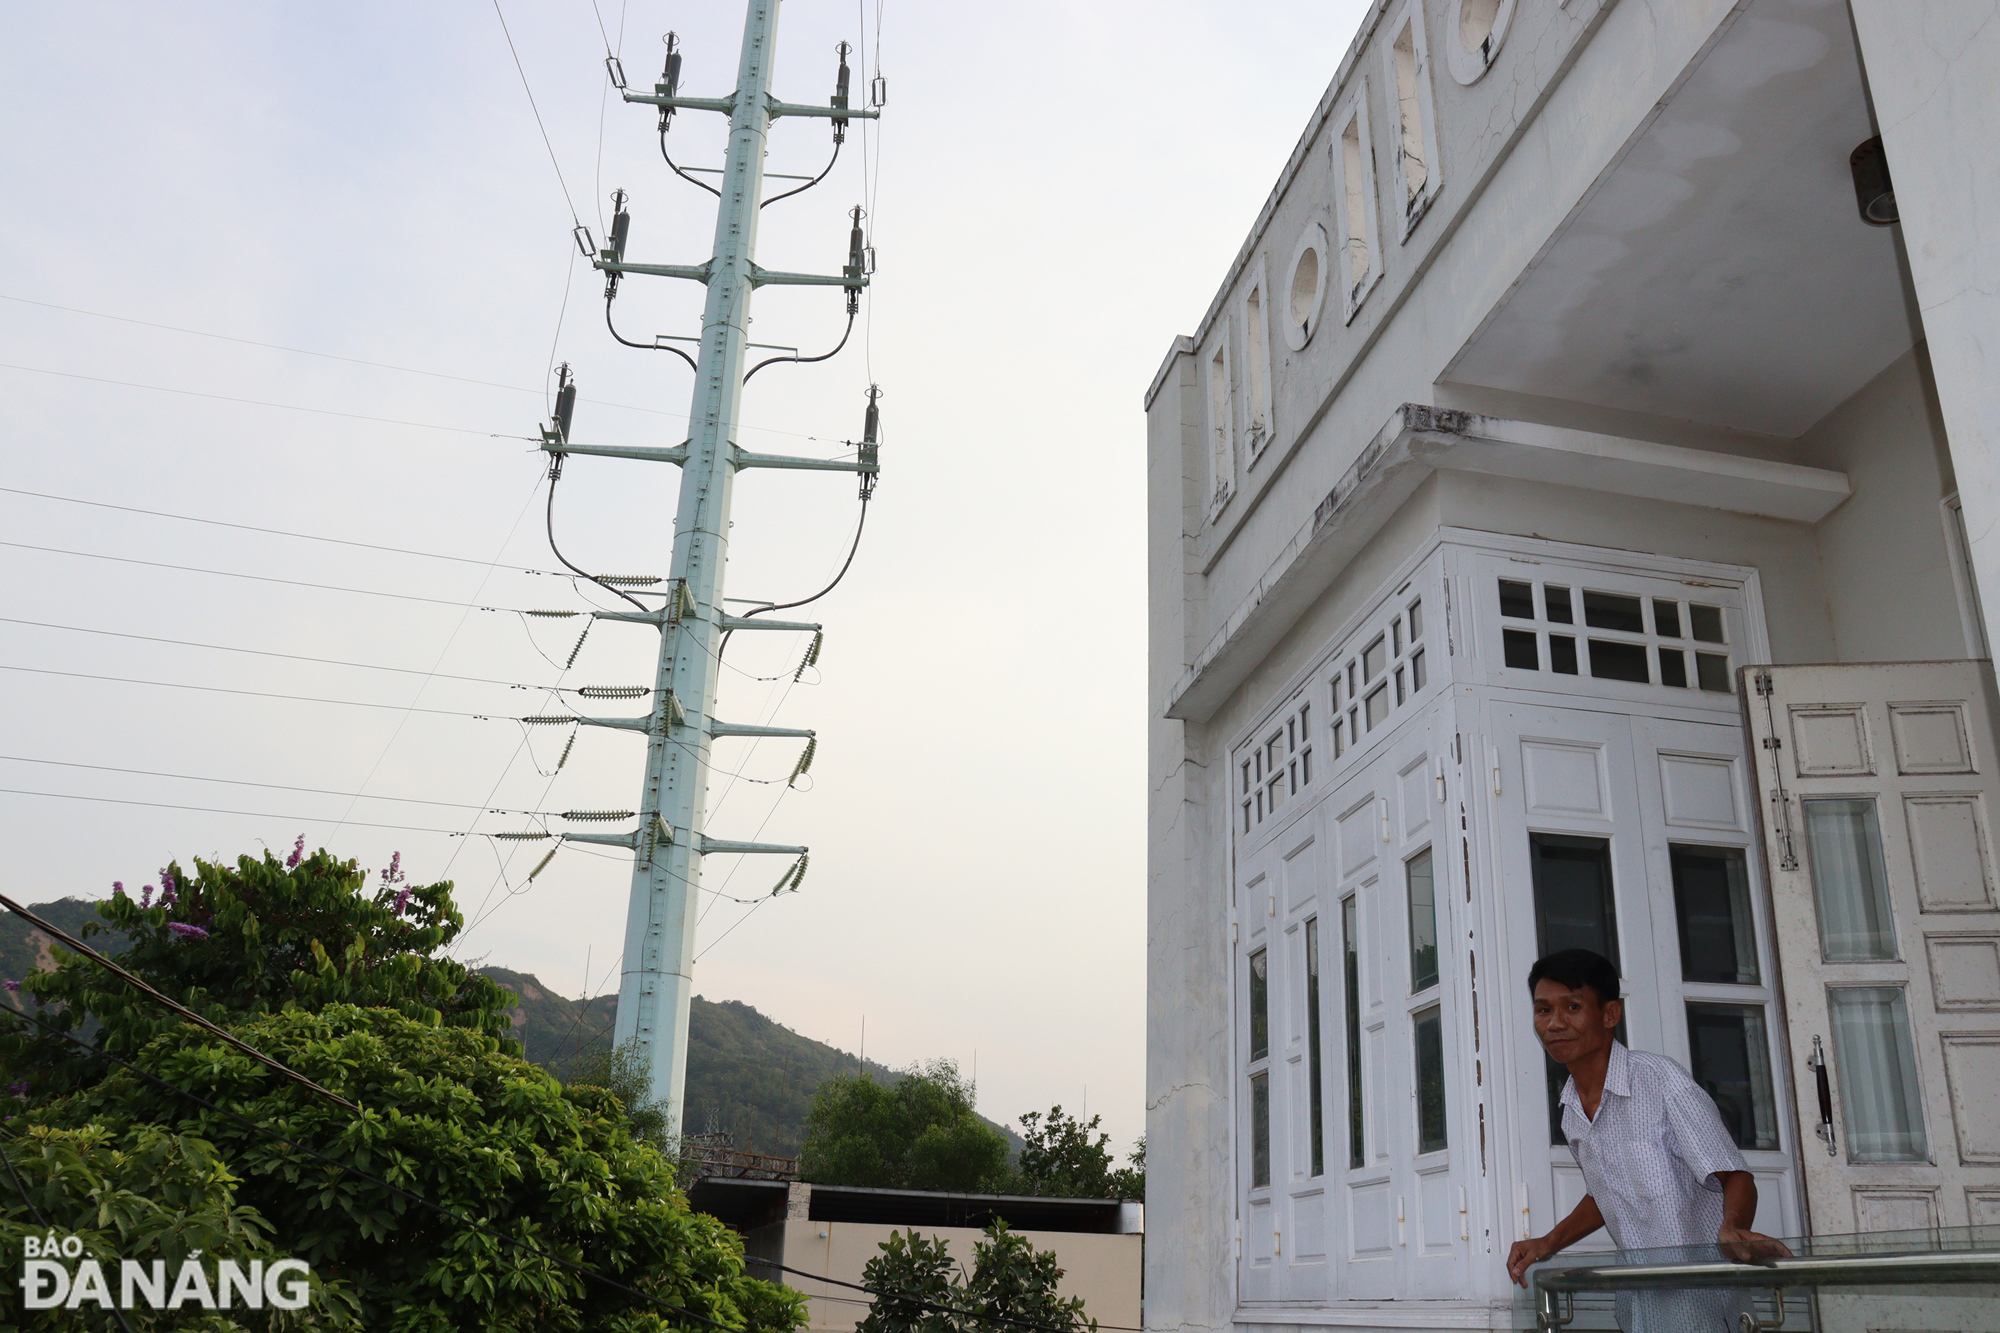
224	689
242	782
234	574
214	810
538	113
260	402
289	657
270	532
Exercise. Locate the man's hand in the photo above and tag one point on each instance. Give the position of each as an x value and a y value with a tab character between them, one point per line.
1525	1255
1744	1246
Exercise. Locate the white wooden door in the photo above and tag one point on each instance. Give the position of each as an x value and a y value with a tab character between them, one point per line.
1877	787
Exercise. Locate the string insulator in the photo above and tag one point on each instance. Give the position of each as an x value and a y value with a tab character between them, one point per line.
542	864
588	626
553	615
559	720
568	745
614	692
596	816
630	580
523	837
805	761
812	655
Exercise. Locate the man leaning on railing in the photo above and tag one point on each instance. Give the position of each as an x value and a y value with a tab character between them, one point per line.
1661	1168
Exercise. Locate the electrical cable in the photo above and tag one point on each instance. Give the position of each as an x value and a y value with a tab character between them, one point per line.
289	657
77	946
259	402
676	169
270	532
809	184
255	694
797	360
555	475
645	347
240	782
214	810
583	1270
538	113
847	564
258	578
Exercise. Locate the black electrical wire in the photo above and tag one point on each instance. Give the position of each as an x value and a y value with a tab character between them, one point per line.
678	172
797	360
646	347
555	475
414	1197
809	184
254	694
847	564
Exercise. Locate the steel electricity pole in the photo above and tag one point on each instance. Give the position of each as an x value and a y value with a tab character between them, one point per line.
670	842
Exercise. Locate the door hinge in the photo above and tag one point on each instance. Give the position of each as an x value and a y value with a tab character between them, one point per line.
1762	681
1773	743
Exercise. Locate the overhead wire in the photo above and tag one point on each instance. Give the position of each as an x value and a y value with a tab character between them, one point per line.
264	786
224	689
519	69
796	360
216	810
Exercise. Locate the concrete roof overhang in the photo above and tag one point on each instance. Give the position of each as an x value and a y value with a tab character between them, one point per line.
1718	271
1420	440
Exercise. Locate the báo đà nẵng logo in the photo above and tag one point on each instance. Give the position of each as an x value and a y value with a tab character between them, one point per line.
55	1272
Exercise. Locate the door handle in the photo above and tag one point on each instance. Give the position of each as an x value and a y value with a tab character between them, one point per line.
1817	1063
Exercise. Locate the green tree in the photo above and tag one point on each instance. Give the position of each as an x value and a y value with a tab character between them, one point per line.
919	1133
917	1289
343	985
622	1072
1060	1157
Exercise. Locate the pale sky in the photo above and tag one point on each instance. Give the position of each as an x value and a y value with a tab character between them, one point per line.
1061	187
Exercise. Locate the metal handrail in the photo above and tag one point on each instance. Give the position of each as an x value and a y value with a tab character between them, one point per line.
1556	1288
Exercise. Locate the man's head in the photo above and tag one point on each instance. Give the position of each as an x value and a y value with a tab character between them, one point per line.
1576	1003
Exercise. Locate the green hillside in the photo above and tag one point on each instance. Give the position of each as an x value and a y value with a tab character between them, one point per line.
23	949
747	1075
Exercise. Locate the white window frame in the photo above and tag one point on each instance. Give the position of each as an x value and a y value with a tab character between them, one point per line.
1313	238
1257	398
1413	210
1355	115
1469	64
1221	432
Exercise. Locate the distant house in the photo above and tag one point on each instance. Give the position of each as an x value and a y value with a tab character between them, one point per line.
832	1231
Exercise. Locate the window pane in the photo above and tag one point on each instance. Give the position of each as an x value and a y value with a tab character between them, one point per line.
1316	1113
1666	618
1517	599
1416	621
1673	667
1373	658
1712	899
1712	672
1850	882
1396	637
1705	622
1429	1024
1260	1005
1520	649
1610	660
1609	610
1417	670
1878	1075
1377	704
1562	654
1351	984
1260	1130
1423	922
1558	601
1399	686
1732	1060
1573	910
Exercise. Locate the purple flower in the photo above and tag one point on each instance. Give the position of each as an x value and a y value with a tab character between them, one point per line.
169	891
17	1089
187	932
146	896
118	887
298	853
394	873
13	987
402	899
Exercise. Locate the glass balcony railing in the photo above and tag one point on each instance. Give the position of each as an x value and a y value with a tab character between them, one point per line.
1879	1282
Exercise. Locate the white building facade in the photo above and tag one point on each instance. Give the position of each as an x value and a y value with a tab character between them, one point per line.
1568	526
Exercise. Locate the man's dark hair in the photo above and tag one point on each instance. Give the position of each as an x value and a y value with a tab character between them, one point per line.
1577	969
